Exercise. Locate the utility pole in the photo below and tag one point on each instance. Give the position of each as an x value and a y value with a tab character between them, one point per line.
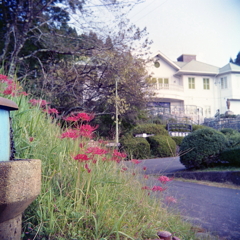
116	104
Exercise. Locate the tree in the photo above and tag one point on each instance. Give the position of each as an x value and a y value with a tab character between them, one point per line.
237	60
73	67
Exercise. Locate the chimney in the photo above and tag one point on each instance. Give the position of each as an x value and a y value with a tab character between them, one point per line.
186	58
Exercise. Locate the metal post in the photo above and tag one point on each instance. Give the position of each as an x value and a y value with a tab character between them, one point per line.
116	103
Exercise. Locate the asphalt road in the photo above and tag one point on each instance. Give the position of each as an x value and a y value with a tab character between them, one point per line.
215	209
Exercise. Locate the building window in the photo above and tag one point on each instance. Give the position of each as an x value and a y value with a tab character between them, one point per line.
206	84
153	83
160	83
191	83
224	83
207	111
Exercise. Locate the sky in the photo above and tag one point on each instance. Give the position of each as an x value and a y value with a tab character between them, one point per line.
209	29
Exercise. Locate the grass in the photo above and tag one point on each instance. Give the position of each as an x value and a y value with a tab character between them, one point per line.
106	203
220	168
208	183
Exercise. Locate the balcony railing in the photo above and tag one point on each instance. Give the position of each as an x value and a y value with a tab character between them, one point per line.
166	86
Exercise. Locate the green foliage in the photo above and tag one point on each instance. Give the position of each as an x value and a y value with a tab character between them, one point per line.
231	157
135	147
150	129
233	137
228	131
178	140
196	127
201	148
162	146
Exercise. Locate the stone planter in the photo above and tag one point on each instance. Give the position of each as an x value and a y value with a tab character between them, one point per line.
20	184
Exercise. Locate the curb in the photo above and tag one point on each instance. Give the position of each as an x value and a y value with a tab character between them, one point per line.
225	176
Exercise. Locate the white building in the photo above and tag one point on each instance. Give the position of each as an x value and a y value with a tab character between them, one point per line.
192	89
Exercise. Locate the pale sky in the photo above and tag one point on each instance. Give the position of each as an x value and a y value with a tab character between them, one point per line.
209	29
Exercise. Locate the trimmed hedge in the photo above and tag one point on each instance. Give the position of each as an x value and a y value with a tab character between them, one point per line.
150	128
162	146
178	140
136	147
201	148
231	157
197	127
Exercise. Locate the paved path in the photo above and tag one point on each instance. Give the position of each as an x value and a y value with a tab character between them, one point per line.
215	209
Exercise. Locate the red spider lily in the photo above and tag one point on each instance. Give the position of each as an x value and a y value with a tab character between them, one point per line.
39	102
96	150
81	157
144	168
80	116
82	145
4	78
70	133
11	89
135	161
118	156
158	188
87	168
146	188
23	93
164	179
170	199
123	169
86	130
51	110
146	176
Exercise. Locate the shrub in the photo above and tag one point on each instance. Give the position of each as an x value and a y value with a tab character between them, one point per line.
196	127
162	146
150	128
135	147
231	157
228	131
233	137
201	148
178	140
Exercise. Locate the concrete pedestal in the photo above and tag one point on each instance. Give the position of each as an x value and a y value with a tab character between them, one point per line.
20	184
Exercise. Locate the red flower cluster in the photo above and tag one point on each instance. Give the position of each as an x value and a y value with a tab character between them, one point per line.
135	161
51	110
164	179
118	156
11	87
96	150
158	188
40	102
81	157
80	116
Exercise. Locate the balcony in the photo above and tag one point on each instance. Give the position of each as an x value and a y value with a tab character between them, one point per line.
167	86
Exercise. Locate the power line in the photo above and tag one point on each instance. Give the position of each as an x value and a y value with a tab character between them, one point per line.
150	11
143	9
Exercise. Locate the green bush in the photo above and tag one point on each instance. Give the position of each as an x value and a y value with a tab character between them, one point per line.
135	147
162	146
201	148
233	137
178	140
228	131
196	127
150	128
231	157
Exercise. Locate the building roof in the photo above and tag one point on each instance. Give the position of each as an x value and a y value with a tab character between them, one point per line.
196	67
230	67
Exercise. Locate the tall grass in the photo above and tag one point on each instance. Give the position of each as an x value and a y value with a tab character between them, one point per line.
106	203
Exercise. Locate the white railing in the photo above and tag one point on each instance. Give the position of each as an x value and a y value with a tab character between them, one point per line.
165	86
